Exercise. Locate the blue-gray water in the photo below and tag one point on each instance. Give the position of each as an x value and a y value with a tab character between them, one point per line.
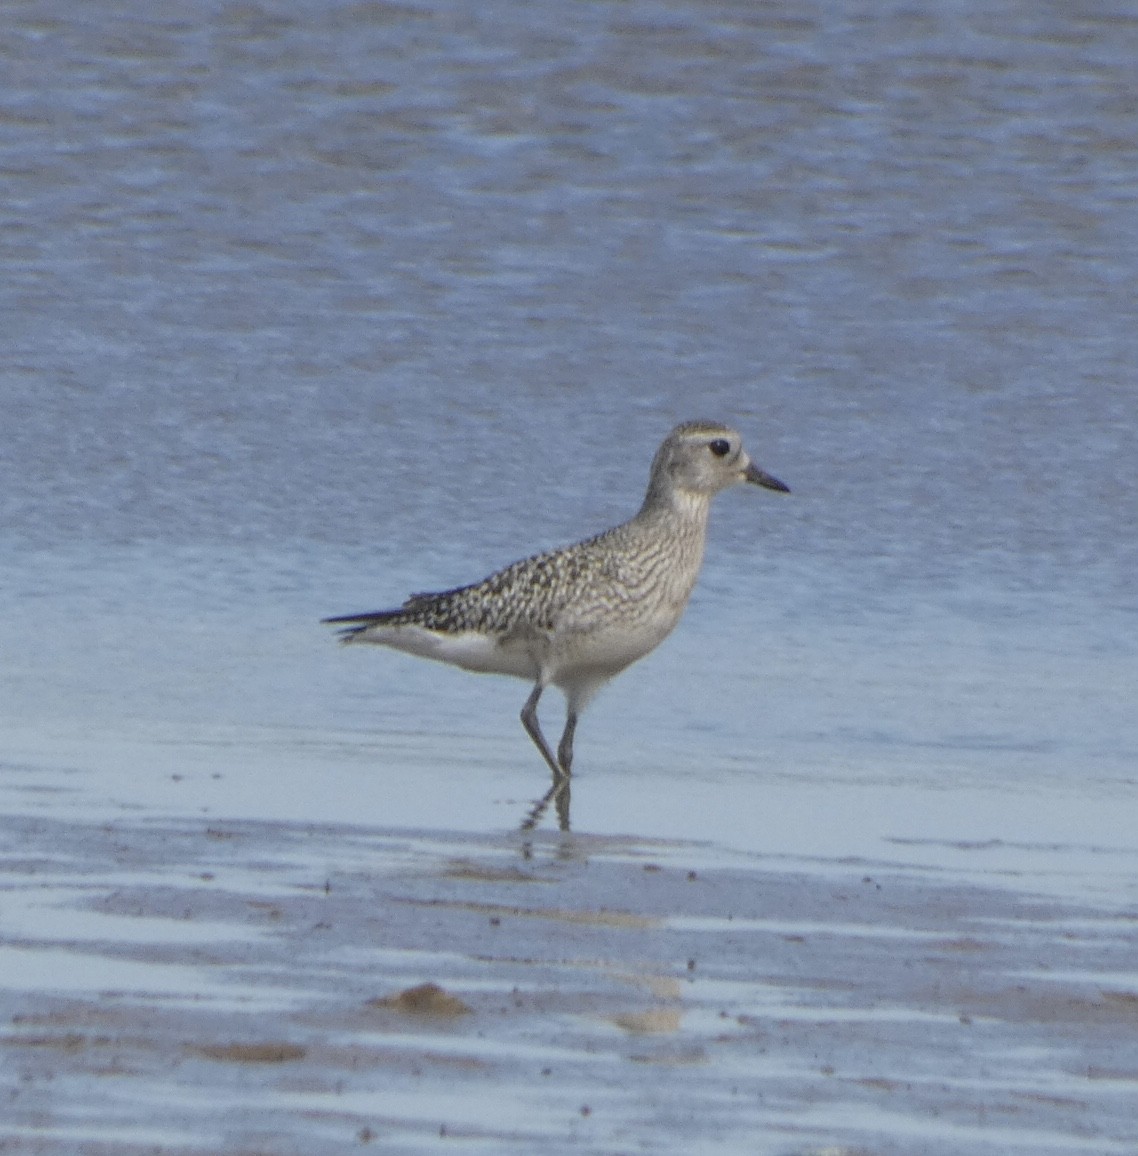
306	306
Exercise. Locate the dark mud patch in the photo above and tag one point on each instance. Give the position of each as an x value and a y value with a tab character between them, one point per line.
268	1053
425	999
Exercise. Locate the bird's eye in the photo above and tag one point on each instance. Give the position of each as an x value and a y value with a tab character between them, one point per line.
721	447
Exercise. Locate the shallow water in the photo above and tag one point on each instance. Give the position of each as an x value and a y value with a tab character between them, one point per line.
308	306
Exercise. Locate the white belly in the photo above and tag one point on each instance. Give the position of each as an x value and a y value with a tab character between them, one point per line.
565	658
483	653
600	655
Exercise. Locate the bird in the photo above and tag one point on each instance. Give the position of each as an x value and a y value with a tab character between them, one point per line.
575	617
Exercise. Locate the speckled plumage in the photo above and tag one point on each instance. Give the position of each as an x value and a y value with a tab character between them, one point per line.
575	617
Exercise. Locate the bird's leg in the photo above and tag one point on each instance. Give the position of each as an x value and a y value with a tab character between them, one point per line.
533	729
565	747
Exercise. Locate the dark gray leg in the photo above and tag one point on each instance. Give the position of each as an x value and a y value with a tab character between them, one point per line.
565	747
533	729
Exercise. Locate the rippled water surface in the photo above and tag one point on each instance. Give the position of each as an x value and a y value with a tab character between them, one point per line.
307	306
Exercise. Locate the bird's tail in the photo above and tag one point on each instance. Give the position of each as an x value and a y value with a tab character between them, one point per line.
354	626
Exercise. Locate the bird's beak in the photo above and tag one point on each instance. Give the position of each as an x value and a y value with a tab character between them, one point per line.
759	477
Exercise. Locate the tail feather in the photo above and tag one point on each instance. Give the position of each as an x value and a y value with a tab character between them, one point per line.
356	624
370	617
445	611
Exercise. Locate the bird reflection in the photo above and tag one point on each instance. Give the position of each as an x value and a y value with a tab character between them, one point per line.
558	794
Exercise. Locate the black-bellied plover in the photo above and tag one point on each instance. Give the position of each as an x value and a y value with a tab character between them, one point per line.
575	617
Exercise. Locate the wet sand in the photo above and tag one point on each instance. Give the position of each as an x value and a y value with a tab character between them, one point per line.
188	987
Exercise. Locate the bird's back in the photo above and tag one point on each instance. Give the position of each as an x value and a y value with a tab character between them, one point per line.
641	571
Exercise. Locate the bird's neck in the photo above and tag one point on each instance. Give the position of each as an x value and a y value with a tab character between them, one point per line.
680	513
679	519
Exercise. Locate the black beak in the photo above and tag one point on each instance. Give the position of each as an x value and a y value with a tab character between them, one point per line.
759	477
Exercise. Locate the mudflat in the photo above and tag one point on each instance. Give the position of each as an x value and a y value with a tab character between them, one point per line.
215	987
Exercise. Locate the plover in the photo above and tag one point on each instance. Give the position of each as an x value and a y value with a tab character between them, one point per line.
575	617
